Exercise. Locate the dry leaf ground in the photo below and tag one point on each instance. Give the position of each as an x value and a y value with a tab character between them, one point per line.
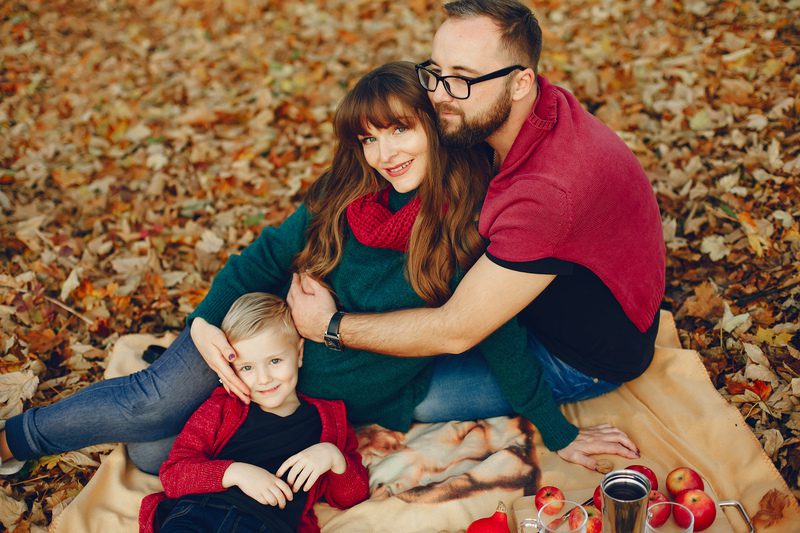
142	142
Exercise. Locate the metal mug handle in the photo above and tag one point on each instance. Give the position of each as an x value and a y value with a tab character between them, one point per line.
738	505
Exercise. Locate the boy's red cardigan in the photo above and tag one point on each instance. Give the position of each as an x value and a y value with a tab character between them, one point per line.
191	467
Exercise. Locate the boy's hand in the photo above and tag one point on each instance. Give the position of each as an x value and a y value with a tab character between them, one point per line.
307	466
218	354
259	484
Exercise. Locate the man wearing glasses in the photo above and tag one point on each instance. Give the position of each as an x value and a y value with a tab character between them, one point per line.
574	232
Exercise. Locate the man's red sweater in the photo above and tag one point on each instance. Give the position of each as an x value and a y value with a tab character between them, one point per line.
570	189
191	467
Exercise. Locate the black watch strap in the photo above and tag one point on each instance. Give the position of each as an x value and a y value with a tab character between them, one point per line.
332	338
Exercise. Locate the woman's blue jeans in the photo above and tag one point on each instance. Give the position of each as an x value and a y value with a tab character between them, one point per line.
149	408
146	410
463	387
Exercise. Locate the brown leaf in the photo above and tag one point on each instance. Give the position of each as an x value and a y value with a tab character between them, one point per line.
10	510
44	340
705	303
771	508
201	116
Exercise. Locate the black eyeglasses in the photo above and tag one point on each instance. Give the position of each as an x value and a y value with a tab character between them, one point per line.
457	86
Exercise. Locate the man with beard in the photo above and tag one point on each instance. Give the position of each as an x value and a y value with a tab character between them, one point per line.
573	229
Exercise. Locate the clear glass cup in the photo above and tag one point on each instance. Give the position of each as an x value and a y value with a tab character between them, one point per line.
528	525
675	514
562	516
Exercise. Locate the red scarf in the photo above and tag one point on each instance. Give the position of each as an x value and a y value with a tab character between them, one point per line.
375	225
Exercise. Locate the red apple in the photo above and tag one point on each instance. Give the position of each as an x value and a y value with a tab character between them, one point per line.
546	495
700	504
660	514
595	522
575	518
649	474
683	478
682	517
597	498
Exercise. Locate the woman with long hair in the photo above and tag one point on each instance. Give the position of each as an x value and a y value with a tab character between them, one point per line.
391	225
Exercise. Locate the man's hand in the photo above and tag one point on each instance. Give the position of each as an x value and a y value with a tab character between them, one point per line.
307	466
487	297
312	306
594	440
259	484
218	354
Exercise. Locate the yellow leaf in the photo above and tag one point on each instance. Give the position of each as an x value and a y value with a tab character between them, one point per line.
49	461
791	235
768	336
736	56
756	243
763	335
771	67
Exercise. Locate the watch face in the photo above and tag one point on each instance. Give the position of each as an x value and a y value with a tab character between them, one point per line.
332	342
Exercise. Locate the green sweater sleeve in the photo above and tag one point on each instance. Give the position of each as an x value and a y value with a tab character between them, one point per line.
519	374
264	266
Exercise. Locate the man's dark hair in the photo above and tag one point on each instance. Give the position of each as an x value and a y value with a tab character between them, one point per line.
519	29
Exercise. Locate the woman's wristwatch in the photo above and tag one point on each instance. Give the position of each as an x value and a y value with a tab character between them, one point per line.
332	338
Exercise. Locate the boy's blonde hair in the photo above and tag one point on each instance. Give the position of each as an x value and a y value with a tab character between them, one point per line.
255	312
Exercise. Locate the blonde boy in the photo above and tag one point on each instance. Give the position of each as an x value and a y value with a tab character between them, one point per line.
261	468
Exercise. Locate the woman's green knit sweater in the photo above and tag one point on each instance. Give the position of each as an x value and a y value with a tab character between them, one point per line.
378	388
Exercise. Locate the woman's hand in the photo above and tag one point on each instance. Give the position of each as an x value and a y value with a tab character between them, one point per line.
218	354
595	440
259	484
312	306
307	466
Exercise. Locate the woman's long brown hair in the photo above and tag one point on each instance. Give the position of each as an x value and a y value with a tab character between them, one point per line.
445	234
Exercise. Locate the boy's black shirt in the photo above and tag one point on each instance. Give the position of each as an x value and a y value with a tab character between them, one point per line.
267	440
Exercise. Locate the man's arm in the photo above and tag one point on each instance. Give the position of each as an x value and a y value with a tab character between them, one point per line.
487	297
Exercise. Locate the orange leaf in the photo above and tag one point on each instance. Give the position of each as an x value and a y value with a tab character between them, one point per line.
762	388
734	387
43	340
349	37
759	387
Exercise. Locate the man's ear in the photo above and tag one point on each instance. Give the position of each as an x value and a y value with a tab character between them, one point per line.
300	346
524	85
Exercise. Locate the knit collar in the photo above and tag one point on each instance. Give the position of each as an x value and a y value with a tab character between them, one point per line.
375	224
540	122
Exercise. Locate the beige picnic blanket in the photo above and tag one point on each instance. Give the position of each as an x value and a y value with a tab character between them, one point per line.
441	477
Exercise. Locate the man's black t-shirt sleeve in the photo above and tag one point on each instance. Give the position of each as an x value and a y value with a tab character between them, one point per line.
547	265
579	320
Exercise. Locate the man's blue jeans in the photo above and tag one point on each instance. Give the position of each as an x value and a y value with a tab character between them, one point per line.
149	408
